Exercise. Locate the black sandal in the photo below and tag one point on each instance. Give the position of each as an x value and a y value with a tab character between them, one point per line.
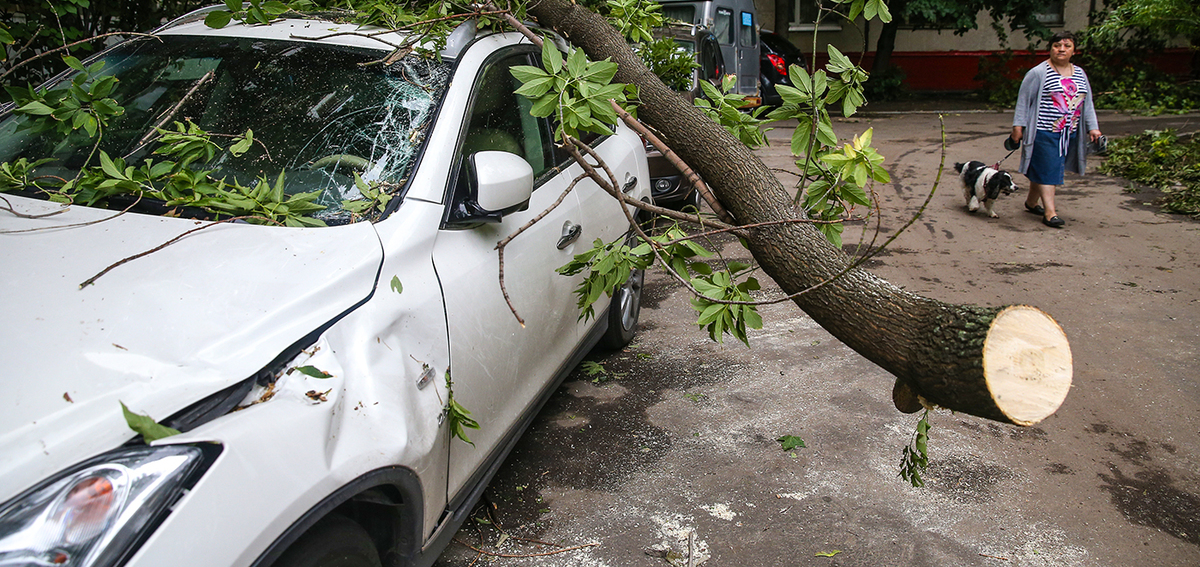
1036	209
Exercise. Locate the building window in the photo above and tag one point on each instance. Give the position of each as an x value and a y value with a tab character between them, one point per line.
804	17
1051	14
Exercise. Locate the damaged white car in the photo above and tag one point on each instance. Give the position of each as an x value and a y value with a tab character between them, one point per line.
308	351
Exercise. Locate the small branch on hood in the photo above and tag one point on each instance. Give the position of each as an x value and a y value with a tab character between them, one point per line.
125	260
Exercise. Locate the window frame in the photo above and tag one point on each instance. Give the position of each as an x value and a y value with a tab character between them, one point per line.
807	23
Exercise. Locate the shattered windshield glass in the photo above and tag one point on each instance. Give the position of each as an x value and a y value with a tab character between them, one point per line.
318	116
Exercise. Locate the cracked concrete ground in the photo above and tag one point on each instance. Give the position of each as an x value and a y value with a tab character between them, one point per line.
675	453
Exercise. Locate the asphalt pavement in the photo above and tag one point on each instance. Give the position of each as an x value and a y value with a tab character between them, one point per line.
671	456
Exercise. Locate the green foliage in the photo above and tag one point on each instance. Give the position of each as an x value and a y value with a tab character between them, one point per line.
1000	83
457	416
149	429
190	144
576	90
635	18
249	12
1158	158
19	174
608	266
915	459
961	16
396	285
869	9
673	64
885	85
839	177
789	442
720	318
1163	18
313	372
724	108
375	198
597	372
82	103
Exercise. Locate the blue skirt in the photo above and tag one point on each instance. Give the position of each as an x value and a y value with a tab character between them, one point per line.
1046	165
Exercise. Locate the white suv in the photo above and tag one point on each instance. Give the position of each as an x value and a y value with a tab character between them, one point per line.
306	366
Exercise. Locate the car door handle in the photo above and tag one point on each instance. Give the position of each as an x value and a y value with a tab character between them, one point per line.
570	233
629	185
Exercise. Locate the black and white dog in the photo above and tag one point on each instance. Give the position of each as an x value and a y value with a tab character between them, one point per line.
983	185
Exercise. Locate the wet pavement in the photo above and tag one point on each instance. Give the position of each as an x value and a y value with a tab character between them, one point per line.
671	456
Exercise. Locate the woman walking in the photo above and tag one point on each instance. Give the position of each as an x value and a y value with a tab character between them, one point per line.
1054	104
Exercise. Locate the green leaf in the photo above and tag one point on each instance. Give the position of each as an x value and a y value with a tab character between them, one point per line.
577	62
110	168
526	73
243	145
73	63
711	313
536	87
396	287
218	19
107	106
150	430
790	442
827	553
313	372
36	108
551	56
881	8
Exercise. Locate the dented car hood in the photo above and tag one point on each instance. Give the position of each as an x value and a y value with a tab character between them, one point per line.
158	332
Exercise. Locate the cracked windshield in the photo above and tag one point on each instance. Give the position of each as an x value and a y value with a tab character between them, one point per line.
278	132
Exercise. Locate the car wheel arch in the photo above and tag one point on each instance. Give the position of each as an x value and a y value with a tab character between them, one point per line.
387	502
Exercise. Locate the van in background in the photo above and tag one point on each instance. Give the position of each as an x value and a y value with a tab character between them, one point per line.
735	25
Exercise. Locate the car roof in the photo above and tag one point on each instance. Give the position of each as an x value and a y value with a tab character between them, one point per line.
311	27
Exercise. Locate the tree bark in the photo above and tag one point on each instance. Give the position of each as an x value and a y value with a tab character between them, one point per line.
886	43
938	350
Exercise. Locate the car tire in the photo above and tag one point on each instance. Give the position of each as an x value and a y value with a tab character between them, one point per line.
335	541
693	201
623	311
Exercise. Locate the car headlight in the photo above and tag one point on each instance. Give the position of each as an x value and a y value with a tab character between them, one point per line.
98	512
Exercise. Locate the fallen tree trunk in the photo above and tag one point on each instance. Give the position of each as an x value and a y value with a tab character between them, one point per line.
1010	364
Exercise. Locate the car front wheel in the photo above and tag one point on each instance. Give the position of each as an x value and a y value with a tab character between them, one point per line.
335	541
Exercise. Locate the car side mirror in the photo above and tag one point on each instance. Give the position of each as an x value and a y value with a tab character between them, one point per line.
503	181
491	184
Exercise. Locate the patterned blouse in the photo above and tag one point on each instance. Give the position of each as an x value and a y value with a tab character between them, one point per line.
1061	106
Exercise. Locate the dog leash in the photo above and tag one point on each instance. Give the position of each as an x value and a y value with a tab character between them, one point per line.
997	164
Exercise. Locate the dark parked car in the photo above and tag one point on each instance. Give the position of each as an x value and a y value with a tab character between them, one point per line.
777	53
667	185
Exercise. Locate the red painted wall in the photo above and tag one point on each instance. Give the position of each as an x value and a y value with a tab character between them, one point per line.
956	70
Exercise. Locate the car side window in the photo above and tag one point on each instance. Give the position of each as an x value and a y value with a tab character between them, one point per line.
747	34
500	120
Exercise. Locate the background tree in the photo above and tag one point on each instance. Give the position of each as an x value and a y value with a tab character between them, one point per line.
1160	19
35	26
